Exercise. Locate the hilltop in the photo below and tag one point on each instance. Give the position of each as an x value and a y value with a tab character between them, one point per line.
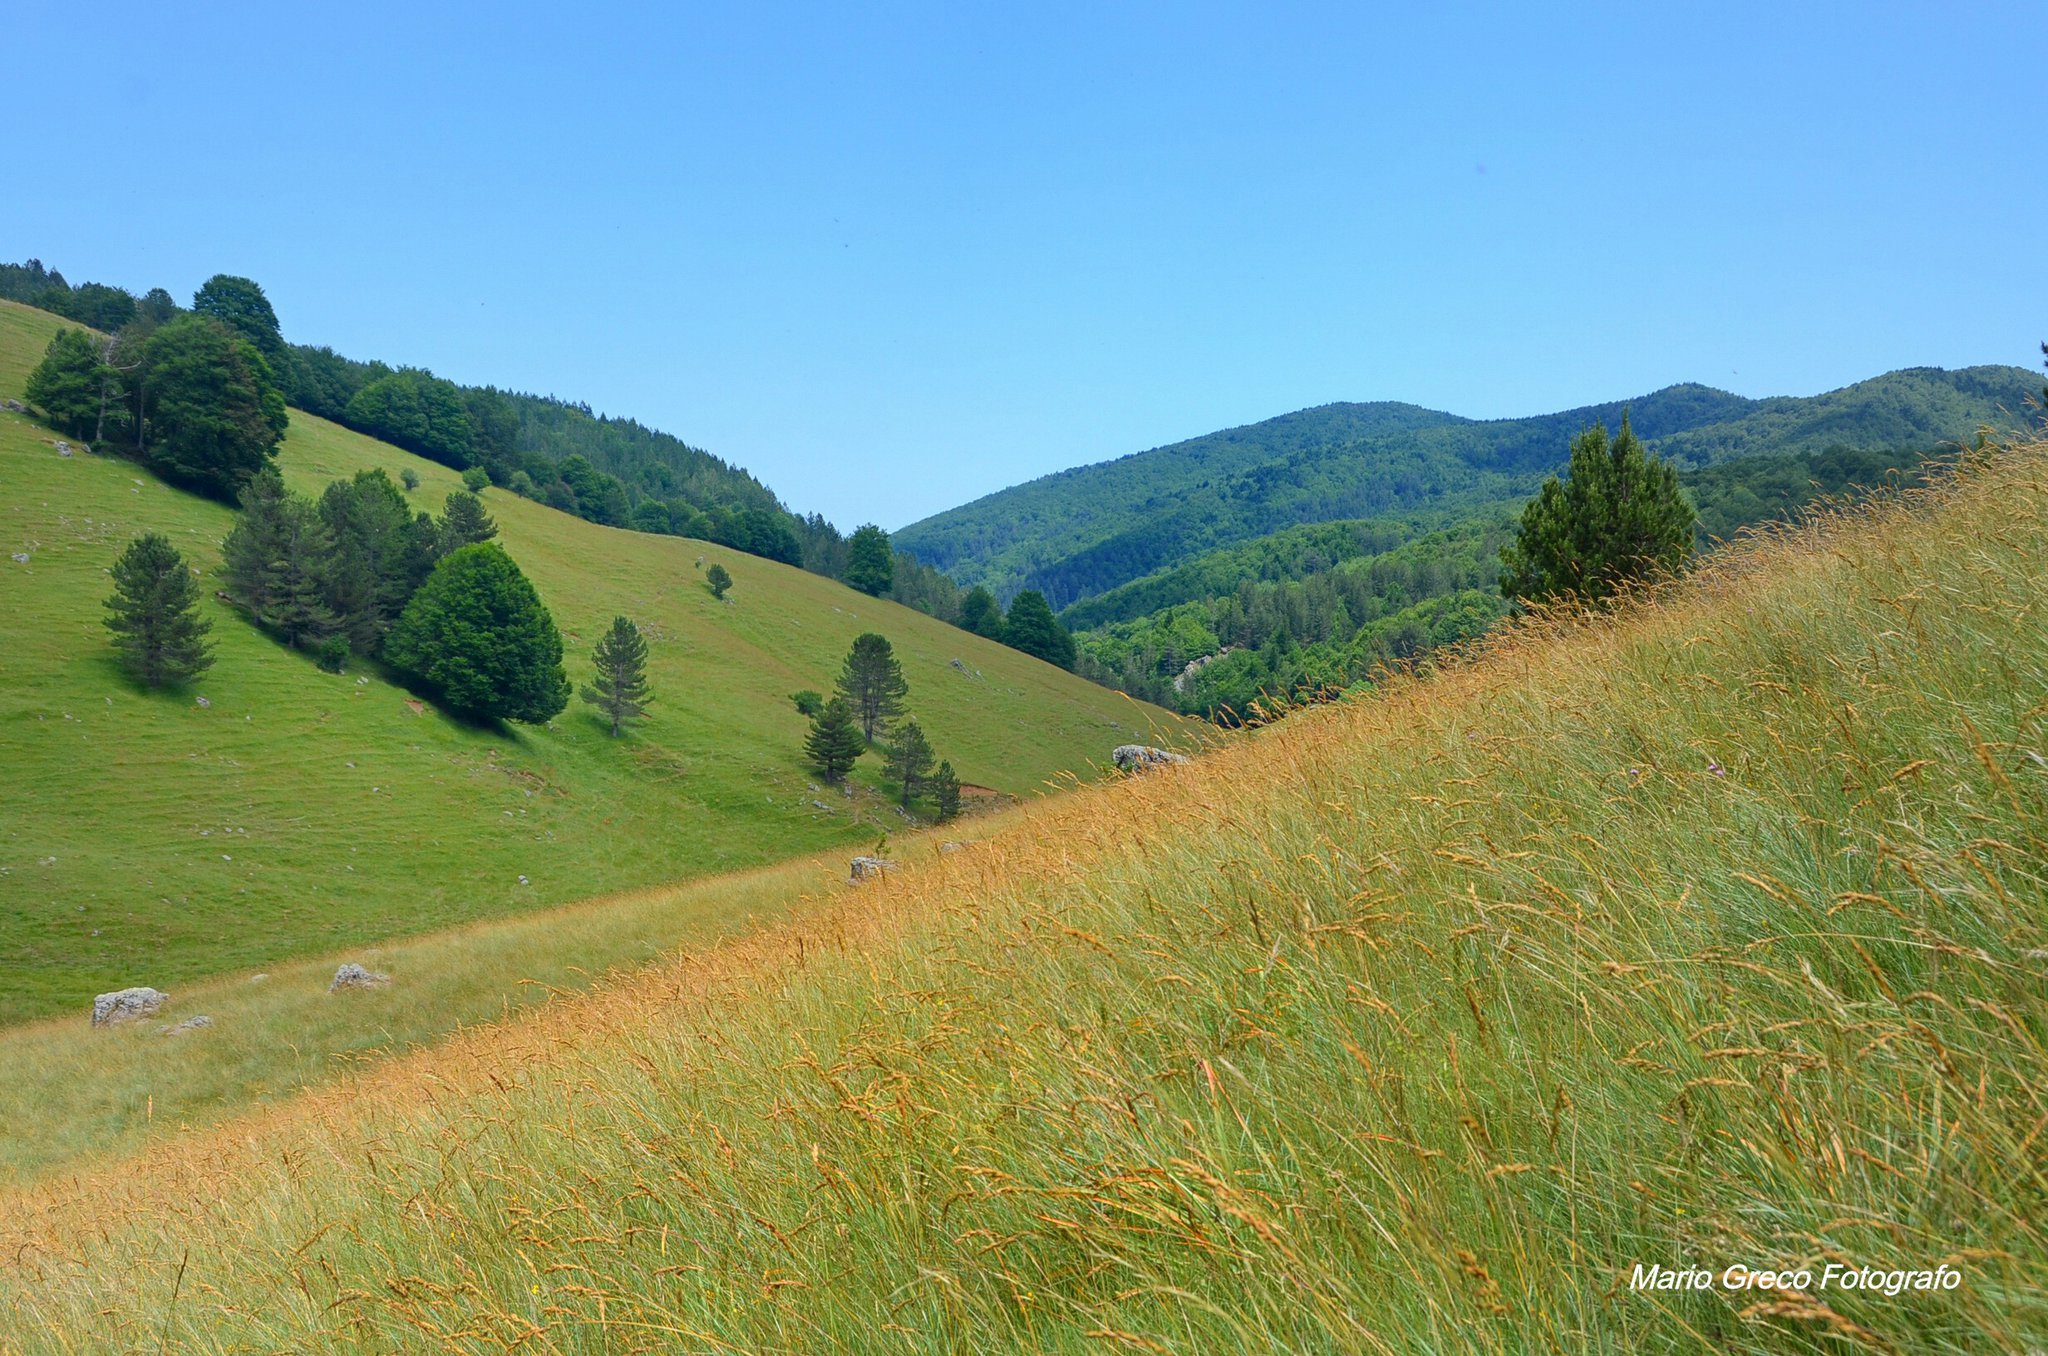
1711	934
1085	531
155	839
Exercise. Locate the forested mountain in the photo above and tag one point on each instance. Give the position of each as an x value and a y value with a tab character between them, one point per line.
1312	609
612	471
1084	532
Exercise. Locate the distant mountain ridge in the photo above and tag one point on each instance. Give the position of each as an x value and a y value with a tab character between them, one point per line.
1081	532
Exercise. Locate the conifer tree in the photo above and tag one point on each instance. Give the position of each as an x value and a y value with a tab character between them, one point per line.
1619	516
369	572
981	614
464	522
910	758
619	691
835	743
478	637
1032	628
870	564
719	578
297	588
250	555
154	613
945	789
872	683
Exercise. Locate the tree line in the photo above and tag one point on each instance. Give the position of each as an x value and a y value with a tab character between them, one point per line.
611	471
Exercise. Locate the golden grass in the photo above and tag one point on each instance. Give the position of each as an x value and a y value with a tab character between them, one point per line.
1712	935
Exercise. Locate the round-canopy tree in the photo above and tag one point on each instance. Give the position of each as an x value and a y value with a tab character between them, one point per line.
211	405
478	638
870	564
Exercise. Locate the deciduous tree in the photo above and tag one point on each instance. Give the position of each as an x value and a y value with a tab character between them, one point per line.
870	564
477	637
212	411
69	384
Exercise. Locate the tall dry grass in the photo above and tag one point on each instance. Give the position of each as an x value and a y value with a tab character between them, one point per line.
1714	935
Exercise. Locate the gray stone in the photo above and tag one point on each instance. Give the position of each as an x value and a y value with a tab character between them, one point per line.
951	847
14	405
353	976
125	1005
870	868
63	449
1142	758
190	1024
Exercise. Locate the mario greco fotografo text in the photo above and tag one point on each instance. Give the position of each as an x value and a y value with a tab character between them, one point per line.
1834	1276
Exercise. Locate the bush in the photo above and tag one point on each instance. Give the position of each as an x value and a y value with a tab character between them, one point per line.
332	654
410	477
808	703
476	480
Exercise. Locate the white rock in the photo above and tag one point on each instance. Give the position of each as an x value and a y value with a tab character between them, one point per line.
353	976
125	1005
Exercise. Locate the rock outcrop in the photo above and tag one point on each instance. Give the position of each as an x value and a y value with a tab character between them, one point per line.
353	976
189	1025
1142	757
125	1005
870	868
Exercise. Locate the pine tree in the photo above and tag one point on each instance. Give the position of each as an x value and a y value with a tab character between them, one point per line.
719	578
870	564
297	589
945	789
1033	629
250	555
910	758
1618	517
872	683
369	571
619	691
154	613
835	743
464	522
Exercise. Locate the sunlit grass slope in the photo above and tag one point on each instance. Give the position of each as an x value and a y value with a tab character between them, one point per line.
1713	937
149	839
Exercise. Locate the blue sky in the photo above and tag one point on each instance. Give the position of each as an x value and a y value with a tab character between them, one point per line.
893	257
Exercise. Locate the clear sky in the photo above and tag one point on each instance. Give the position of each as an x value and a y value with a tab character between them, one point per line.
893	257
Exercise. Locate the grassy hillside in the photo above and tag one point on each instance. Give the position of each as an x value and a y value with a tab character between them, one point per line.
1085	531
1715	936
150	839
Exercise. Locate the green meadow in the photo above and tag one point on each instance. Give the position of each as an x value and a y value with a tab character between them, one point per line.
271	811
